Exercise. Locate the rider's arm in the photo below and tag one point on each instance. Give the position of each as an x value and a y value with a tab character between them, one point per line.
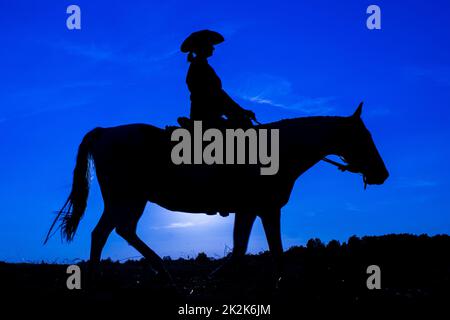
233	109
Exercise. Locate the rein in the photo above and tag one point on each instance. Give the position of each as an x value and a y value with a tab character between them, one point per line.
340	166
345	167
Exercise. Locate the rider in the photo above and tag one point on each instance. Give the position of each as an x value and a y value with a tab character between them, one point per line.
209	102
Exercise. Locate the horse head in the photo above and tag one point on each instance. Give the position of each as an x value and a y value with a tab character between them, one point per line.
360	152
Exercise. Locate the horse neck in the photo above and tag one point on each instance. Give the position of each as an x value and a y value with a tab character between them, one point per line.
311	139
327	135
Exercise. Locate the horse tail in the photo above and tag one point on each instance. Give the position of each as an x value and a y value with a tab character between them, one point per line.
71	213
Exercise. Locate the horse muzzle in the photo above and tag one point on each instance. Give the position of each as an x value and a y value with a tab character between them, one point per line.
377	178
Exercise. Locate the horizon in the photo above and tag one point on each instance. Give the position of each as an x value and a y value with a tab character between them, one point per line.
279	59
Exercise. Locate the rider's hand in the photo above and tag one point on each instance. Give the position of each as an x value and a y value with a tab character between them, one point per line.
250	114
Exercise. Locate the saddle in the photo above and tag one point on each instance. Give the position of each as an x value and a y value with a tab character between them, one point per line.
222	124
183	122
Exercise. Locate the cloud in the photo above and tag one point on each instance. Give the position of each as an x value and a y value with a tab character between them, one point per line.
181	220
415	183
305	105
349	206
440	76
103	53
379	111
311	214
89	51
177	225
32	101
46	109
260	100
66	106
263	85
269	90
85	84
227	29
317	105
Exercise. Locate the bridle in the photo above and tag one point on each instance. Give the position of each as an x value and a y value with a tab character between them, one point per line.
340	166
346	167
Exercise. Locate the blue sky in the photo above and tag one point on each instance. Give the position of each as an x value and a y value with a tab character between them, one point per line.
281	59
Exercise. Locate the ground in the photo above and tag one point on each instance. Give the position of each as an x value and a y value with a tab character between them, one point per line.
415	270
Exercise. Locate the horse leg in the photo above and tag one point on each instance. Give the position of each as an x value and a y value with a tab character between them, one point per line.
243	224
99	236
127	230
155	261
271	224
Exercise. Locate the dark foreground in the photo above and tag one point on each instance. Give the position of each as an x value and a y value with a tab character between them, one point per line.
415	271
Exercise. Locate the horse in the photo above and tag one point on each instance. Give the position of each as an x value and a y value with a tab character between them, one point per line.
133	167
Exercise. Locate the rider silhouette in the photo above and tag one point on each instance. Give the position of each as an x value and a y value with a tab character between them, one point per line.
209	102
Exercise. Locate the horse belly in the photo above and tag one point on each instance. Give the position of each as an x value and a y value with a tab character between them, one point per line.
208	190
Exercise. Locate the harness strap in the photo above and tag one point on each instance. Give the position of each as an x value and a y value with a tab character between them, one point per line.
346	167
340	166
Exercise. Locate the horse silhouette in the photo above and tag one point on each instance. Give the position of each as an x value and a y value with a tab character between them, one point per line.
133	166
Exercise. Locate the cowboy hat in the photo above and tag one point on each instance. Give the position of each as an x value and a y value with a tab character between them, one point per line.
201	38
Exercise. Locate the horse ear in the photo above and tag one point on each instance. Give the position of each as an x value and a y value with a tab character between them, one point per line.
357	113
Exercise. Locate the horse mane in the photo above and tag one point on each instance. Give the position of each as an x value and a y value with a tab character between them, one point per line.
302	120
